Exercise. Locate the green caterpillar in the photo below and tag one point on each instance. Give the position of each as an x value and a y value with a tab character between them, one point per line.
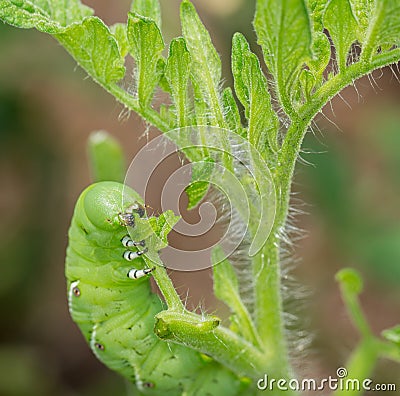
110	298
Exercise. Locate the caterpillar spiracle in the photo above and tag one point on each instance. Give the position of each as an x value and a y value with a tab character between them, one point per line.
111	301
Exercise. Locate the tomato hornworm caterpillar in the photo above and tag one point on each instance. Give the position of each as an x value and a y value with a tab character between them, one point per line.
111	301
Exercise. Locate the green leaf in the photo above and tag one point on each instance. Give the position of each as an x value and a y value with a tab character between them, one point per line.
146	45
48	16
86	38
312	78
95	49
201	107
339	19
307	81
177	73
106	158
206	64
392	334
321	49
317	9
65	12
164	224
252	90
119	32
226	289
163	82
284	33
231	112
363	10
198	187
155	231
384	28
148	8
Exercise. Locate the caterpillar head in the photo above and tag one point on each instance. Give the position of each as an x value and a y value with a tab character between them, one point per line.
104	203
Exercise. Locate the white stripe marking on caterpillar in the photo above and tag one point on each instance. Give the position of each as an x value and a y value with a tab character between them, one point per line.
128	255
95	346
72	292
127	242
136	274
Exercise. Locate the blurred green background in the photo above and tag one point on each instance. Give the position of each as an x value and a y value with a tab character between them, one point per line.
348	182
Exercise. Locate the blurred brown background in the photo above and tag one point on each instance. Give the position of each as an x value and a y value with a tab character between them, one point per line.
47	109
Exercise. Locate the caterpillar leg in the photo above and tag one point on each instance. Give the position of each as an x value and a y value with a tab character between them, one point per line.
136	273
127	219
137	208
127	242
128	255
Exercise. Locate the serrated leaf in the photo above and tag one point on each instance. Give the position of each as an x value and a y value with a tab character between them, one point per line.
148	8
341	23
146	45
163	82
392	334
177	73
48	16
154	230
65	12
226	289
167	113
95	49
198	187
363	10
164	224
231	111
312	78
87	38
284	33
206	64
317	9
119	32
307	81
252	90
106	158
201	107
321	49
161	226
384	28
195	192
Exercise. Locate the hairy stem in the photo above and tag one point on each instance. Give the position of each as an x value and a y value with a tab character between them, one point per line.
217	341
266	268
294	137
167	289
268	308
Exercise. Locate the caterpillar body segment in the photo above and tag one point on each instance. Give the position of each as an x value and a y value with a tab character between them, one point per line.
111	301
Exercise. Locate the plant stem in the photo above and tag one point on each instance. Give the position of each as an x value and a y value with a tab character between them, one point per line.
360	366
268	308
296	132
389	350
222	344
165	285
266	265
